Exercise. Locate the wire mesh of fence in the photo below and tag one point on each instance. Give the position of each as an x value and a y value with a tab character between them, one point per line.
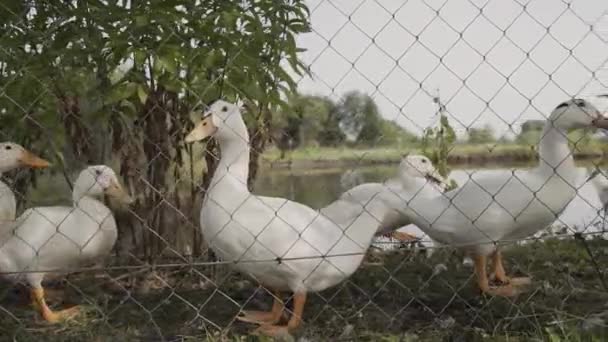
318	170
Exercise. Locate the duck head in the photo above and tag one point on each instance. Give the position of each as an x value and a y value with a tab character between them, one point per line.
99	180
421	167
13	156
222	120
601	104
581	113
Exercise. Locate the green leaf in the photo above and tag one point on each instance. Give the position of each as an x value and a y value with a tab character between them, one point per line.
142	93
140	57
167	63
128	105
170	83
141	21
252	90
116	76
121	92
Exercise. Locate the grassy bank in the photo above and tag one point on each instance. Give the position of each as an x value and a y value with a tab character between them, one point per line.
460	154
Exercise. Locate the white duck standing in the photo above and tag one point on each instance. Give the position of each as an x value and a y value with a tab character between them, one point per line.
14	156
416	176
486	211
57	239
284	245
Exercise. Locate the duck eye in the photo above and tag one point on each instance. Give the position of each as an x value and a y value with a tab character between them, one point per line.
8	147
225	109
98	172
423	161
204	123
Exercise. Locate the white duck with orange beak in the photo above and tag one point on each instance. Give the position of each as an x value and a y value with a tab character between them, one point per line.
13	156
286	246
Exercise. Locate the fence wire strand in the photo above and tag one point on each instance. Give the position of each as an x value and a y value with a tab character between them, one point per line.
375	99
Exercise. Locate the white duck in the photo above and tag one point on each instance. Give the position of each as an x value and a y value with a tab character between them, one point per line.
57	239
600	182
13	156
284	245
416	177
508	207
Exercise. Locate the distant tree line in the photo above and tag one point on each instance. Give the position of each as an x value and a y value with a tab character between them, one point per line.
354	120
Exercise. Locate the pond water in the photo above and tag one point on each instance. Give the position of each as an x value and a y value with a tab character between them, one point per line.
319	187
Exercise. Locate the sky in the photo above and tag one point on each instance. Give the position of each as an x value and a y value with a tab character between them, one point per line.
496	62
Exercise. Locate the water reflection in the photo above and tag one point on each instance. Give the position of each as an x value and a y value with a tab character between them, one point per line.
317	188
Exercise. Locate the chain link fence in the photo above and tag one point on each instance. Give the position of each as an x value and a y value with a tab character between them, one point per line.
399	122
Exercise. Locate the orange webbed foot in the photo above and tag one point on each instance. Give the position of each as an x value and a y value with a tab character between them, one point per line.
503	291
273	331
258	317
61	316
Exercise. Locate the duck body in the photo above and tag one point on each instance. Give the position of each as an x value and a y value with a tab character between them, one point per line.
372	199
279	242
8	204
506	207
57	239
417	178
285	240
600	182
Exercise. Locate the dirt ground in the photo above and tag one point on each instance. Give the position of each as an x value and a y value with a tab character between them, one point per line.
399	296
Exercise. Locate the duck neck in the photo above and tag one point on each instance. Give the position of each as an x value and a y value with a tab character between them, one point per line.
554	153
234	162
6	167
411	183
78	194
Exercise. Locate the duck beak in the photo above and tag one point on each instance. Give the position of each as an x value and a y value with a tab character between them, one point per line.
116	190
27	158
203	129
593	174
438	179
600	122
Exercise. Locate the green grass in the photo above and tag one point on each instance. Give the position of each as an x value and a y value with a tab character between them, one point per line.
401	299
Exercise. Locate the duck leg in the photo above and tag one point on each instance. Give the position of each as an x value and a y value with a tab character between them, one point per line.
50	316
295	321
265	317
483	282
501	276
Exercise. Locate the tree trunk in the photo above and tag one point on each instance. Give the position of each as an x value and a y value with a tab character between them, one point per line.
259	137
79	136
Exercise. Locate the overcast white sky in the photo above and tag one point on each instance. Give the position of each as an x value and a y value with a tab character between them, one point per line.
495	62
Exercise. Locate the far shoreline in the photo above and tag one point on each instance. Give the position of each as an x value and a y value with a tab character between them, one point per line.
462	155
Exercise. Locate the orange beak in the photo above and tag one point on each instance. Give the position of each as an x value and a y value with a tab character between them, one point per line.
601	122
202	130
116	190
29	159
